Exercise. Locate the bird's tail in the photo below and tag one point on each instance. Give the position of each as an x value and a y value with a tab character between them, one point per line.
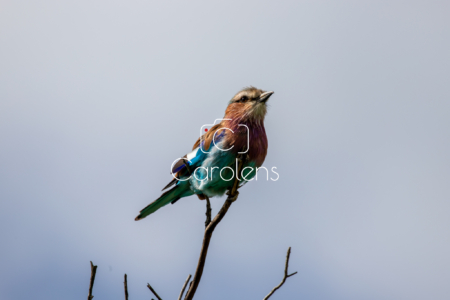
170	196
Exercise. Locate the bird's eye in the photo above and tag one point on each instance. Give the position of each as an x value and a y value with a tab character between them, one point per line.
243	99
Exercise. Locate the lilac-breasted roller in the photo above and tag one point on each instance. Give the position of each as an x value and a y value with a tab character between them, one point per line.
209	170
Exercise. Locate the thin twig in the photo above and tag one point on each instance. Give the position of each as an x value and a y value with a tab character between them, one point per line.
208	211
153	291
232	196
91	282
284	277
184	287
125	286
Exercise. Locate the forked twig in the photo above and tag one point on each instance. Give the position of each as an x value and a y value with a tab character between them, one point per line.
232	196
284	277
153	291
184	287
91	282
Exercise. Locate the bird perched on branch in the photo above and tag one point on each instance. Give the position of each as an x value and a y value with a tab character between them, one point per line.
210	169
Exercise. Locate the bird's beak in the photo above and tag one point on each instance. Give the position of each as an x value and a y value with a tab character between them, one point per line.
265	96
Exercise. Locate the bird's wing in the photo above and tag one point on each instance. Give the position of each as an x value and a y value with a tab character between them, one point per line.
208	137
191	161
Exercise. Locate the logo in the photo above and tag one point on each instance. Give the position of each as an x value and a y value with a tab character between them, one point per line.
203	172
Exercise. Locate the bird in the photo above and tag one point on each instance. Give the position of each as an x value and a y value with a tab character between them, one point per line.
209	169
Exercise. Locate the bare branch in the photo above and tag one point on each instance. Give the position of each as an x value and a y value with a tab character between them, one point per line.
125	286
208	211
91	282
284	277
153	291
232	196
184	287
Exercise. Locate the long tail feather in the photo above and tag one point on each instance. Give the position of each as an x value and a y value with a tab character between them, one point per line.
169	196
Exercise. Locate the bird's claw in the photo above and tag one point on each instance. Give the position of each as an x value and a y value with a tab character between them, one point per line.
232	198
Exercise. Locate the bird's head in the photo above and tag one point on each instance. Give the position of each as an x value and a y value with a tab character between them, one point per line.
249	104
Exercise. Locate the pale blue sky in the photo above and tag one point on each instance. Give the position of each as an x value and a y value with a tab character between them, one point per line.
98	98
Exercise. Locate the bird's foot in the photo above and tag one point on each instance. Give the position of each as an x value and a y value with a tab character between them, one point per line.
232	198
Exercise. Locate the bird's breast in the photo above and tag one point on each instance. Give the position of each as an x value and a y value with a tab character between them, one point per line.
248	138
